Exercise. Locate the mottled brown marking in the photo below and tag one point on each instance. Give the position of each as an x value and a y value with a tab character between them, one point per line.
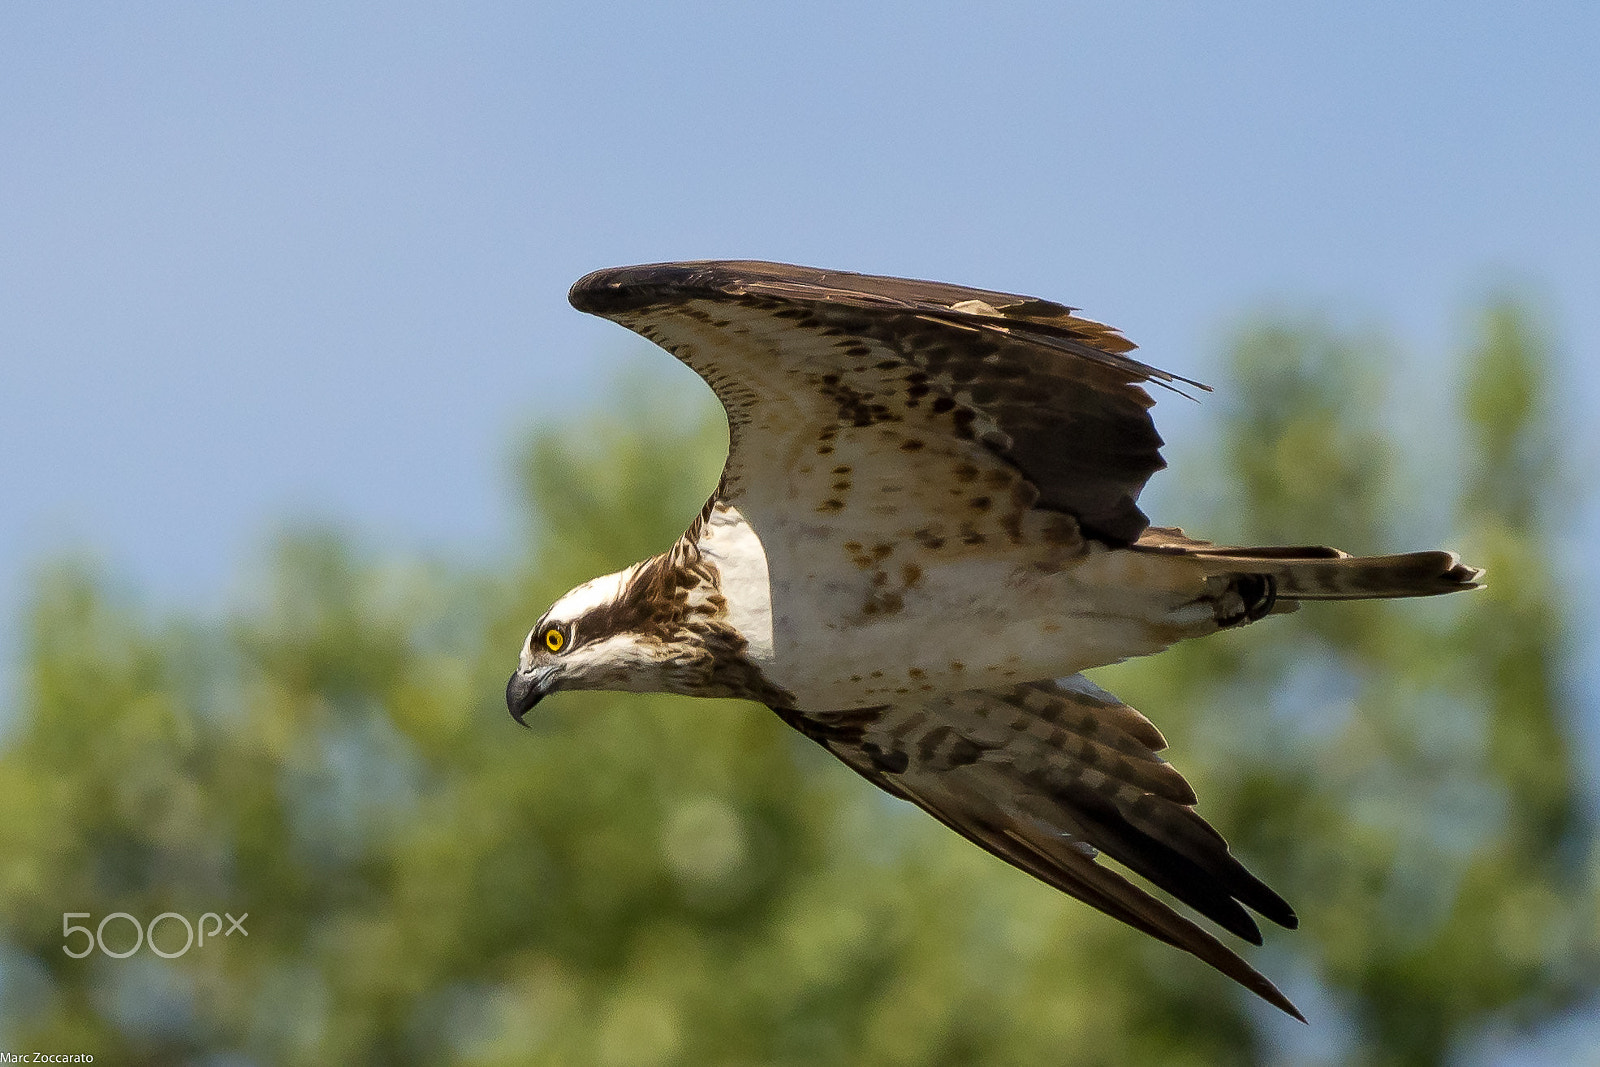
912	444
928	746
980	503
1061	530
829	507
910	574
855	406
889	762
858	557
883	601
962	752
1011	523
838	727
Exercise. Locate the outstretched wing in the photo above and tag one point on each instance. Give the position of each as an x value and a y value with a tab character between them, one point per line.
861	403
1046	776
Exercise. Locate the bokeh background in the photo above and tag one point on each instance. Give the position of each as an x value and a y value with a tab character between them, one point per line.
299	437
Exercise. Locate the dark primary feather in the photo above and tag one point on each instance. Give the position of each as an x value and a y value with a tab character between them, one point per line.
1044	776
1059	397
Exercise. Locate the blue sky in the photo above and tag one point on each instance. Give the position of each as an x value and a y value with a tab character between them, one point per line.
310	259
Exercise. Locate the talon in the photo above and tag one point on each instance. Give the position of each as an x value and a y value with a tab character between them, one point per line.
1263	607
1258	593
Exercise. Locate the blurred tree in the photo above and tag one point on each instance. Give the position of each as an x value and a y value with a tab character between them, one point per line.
662	881
1405	771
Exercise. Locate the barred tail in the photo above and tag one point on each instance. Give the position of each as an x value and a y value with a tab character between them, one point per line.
1372	577
1314	572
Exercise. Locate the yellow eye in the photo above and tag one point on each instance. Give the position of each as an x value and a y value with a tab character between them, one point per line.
554	640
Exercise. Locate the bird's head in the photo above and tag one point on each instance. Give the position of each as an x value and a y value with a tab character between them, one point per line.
608	633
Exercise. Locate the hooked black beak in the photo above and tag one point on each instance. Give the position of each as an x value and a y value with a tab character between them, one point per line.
523	691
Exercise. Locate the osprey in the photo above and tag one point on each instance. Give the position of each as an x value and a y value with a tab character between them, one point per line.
926	528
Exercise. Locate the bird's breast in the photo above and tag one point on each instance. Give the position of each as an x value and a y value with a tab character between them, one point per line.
914	627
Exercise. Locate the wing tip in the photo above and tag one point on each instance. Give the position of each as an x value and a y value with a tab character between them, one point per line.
1285	1005
617	290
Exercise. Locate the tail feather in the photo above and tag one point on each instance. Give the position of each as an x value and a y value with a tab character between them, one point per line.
1316	572
1375	577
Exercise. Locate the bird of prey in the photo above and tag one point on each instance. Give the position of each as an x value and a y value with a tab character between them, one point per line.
926	529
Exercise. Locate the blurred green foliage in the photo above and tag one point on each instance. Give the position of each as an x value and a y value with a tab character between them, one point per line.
652	880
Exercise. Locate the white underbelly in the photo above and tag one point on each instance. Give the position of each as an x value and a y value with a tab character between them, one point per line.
848	641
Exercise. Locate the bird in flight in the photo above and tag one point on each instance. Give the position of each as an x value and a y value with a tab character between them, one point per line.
925	531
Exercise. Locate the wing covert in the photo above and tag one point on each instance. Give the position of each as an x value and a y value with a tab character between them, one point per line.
1046	776
810	358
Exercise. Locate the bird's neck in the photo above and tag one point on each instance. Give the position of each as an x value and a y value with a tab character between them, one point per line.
681	592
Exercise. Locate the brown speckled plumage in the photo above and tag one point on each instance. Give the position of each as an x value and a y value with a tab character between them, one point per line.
929	509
